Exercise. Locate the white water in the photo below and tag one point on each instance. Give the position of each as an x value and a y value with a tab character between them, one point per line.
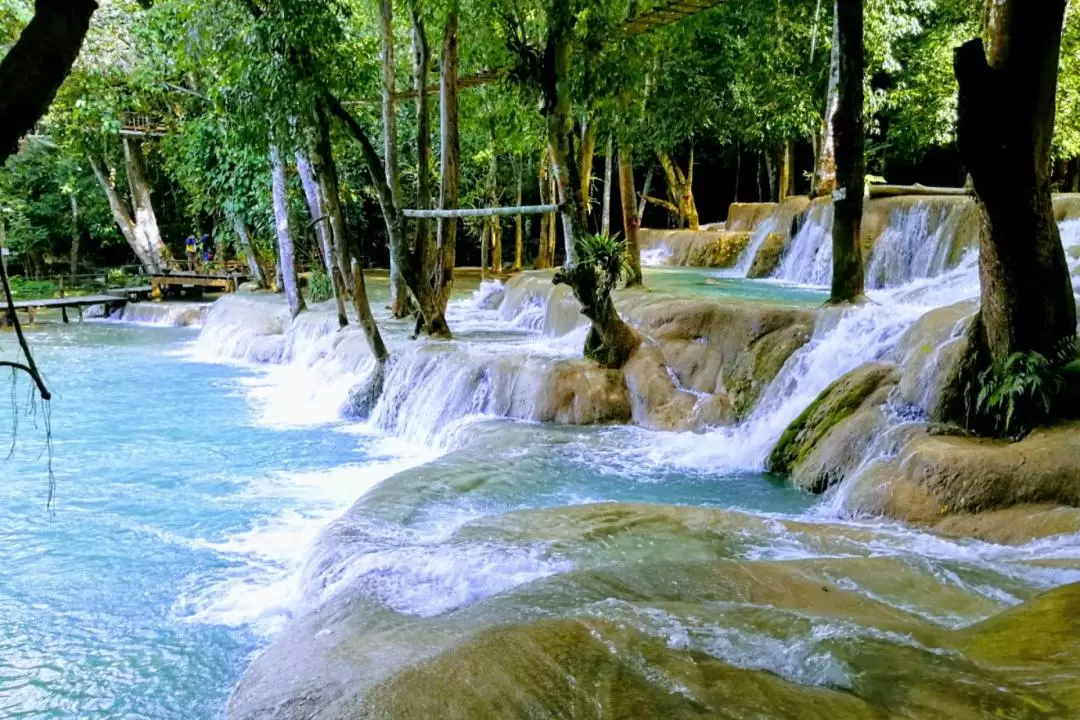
757	239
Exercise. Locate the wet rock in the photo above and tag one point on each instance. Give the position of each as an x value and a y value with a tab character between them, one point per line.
846	415
768	256
972	475
697	248
1012	526
745	217
659	403
930	353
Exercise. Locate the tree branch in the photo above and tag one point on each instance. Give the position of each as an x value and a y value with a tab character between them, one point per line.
33	70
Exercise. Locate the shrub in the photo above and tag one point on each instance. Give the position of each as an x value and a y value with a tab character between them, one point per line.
320	288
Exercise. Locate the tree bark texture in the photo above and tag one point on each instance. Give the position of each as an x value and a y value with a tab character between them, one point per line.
556	108
286	254
332	258
825	181
787	170
605	205
680	188
1005	126
76	235
35	67
849	142
147	234
122	214
628	201
450	162
315	209
543	258
250	255
424	253
586	155
519	220
399	249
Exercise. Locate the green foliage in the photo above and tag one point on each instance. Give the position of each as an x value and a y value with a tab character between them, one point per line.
24	289
1019	393
321	288
607	252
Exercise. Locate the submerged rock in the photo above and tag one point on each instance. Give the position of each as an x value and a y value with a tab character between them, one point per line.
830	436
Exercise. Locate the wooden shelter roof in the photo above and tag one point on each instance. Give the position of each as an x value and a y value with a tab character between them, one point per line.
665	14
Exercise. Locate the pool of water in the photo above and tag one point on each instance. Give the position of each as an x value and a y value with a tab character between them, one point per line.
183	513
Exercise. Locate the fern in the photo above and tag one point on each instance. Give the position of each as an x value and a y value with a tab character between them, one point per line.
1019	393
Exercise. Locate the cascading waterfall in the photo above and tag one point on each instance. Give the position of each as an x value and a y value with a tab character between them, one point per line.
917	243
760	234
808	260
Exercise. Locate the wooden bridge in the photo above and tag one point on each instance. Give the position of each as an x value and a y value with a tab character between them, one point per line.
111	302
174	282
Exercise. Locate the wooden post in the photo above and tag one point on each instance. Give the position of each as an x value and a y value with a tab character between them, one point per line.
63	310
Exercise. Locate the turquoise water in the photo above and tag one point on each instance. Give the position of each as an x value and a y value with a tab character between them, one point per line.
182	518
156	461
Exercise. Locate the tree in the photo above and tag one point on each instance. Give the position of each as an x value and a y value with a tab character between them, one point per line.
849	146
1027	304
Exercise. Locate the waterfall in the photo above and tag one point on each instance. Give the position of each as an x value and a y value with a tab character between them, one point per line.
917	243
757	238
808	259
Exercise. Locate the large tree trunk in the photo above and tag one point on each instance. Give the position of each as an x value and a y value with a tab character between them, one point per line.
424	253
120	212
519	220
315	209
250	255
1005	127
849	142
610	341
282	226
147	234
647	187
556	87
35	67
680	188
399	249
76	235
825	181
605	206
326	174
323	232
629	212
450	162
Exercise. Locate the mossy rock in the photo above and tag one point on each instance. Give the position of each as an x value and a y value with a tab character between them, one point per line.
838	402
761	364
768	256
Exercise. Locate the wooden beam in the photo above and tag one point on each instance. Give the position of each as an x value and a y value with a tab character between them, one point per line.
481	212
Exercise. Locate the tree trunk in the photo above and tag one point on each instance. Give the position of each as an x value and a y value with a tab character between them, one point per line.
120	212
825	180
849	143
770	176
609	161
315	208
76	234
425	250
331	256
241	229
585	163
147	234
399	250
542	259
787	170
286	255
1027	299
760	192
519	220
645	189
681	190
629	212
35	67
556	86
450	162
